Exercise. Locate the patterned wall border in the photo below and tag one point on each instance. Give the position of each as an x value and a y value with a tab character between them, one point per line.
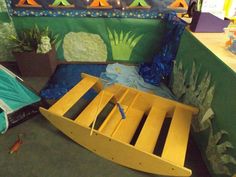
113	13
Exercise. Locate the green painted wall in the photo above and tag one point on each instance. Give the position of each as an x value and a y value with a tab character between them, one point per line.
151	29
223	79
6	29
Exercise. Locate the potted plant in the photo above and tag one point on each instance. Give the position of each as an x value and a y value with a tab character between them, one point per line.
34	51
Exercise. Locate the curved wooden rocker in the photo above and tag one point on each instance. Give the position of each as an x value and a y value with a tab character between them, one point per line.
112	139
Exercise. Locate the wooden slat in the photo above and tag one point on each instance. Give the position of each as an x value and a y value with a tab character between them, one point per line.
99	86
70	98
177	138
113	118
128	126
151	129
148	100
87	116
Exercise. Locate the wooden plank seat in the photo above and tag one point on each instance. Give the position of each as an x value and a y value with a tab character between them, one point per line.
86	117
149	134
112	140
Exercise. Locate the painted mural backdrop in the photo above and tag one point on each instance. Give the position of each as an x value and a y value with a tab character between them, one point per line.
94	8
101	39
128	30
198	79
6	29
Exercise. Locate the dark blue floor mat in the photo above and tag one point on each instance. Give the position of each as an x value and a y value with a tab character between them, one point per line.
68	75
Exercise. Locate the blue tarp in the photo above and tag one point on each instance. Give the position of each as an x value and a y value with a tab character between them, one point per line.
128	75
68	75
162	64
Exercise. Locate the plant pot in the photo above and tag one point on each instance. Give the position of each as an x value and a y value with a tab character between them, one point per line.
36	64
207	23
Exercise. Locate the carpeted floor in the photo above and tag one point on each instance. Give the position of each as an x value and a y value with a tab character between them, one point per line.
46	152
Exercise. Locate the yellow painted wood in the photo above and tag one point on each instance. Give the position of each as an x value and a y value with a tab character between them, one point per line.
177	138
111	141
117	91
130	98
114	150
96	115
114	119
98	86
128	126
151	129
87	116
148	100
110	123
69	99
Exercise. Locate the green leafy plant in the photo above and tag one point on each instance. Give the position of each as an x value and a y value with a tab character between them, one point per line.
122	44
29	39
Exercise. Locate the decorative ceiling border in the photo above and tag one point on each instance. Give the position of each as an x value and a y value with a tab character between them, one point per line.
136	11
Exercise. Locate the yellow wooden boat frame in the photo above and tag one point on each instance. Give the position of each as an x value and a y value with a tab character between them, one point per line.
112	139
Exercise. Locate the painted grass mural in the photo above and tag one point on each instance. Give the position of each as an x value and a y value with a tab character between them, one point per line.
200	93
122	44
